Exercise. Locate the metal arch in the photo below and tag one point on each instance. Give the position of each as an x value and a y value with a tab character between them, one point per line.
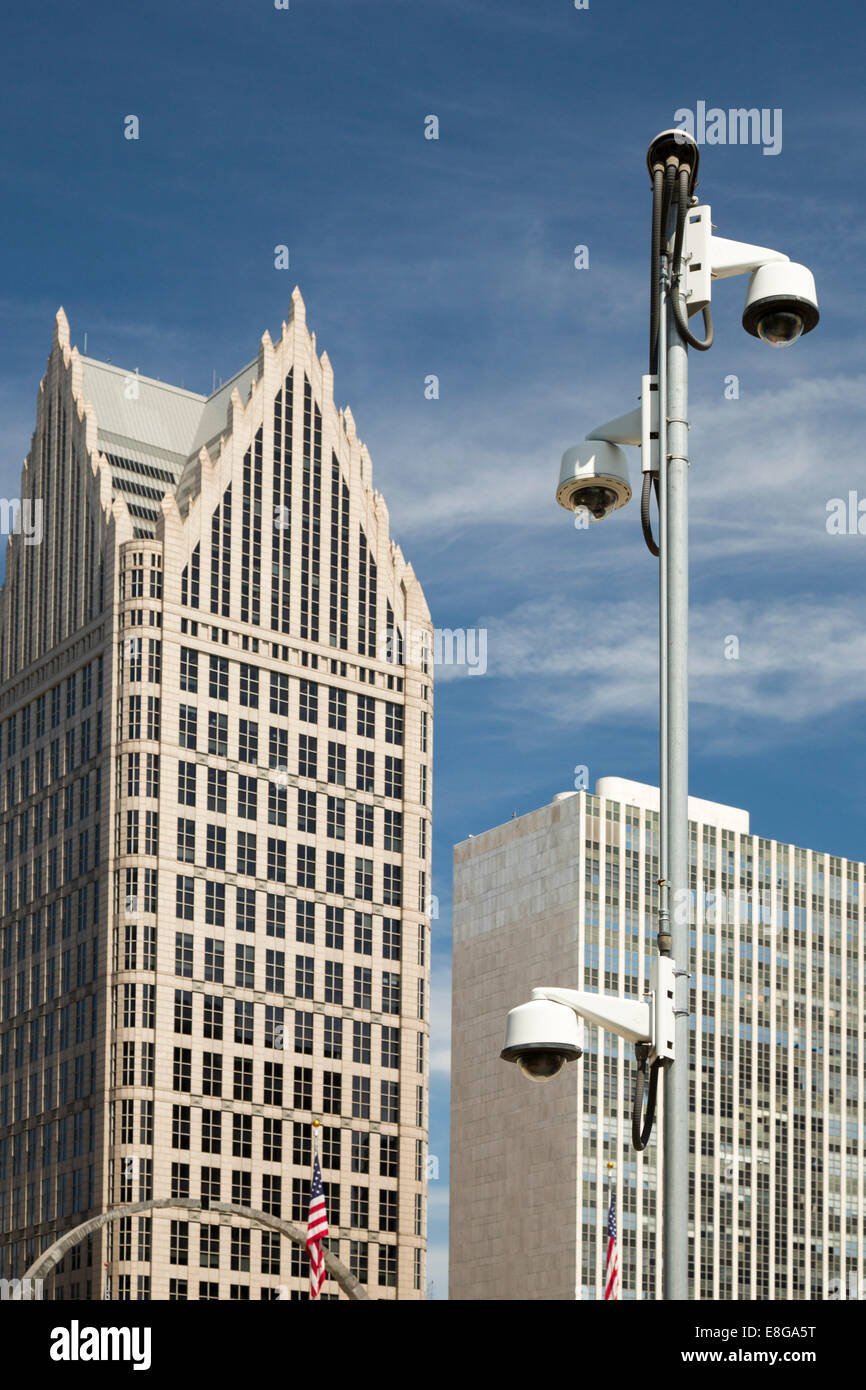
46	1262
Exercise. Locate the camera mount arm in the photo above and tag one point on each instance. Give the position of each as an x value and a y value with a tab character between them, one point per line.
707	257
648	1021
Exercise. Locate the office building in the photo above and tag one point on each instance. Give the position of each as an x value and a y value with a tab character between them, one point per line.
566	896
216	791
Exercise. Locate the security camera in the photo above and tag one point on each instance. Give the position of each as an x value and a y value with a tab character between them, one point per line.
781	303
541	1037
593	475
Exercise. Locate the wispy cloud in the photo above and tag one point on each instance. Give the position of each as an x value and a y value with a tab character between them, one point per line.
762	669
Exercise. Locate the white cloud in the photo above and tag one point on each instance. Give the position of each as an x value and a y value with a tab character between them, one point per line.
801	658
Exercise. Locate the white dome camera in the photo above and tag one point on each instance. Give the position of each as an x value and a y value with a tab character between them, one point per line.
593	475
541	1037
781	303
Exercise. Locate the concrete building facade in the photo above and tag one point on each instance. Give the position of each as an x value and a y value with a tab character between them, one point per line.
215	801
566	896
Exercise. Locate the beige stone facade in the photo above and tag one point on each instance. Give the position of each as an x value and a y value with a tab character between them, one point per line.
565	896
216	743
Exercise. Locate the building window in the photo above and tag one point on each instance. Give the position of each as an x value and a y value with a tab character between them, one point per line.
388	1211
183	954
273	1085
364	879
393	776
276	869
247	854
366	716
388	1266
307	811
278	805
361	1097
185	897
279	701
392	938
394	831
335	872
337	700
249	687
245	914
307	755
182	1069
188	726
186	778
217	788
217	734
390	1046
275	972
212	1077
304	977
332	1084
390	992
248	741
333	982
309	702
393	723
214	958
361	1042
365	770
362	997
359	1207
215	847
248	797
303	1088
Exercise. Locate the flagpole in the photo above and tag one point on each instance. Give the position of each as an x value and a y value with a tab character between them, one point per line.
612	1270
317	1272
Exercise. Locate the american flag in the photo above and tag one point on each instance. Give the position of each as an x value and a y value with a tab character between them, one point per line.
317	1230
611	1276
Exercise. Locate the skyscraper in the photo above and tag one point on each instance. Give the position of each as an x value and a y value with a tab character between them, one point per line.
566	896
216	744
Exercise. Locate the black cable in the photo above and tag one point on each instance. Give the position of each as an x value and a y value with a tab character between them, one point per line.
645	520
670	180
640	1136
682	213
700	345
662	186
655	288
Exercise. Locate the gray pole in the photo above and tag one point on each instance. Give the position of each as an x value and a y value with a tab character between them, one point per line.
675	558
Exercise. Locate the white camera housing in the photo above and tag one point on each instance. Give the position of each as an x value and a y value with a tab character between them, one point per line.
541	1037
781	299
593	475
781	303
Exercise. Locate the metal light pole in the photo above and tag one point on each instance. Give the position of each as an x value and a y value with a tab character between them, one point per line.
674	782
781	305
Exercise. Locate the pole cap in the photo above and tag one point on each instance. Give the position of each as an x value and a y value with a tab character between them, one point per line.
674	144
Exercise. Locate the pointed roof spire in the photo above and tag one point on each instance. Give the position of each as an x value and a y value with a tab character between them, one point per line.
327	376
297	308
61	328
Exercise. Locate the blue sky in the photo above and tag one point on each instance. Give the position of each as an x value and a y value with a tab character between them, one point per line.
454	257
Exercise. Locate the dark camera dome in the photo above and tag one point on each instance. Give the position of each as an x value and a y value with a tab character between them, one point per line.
599	501
780	328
